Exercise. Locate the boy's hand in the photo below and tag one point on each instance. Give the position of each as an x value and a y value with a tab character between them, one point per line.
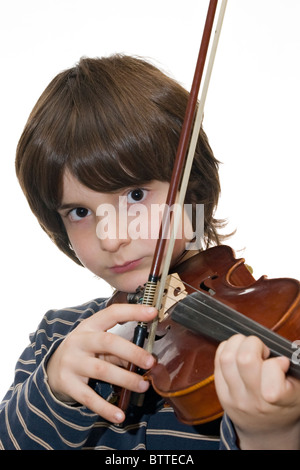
254	390
90	352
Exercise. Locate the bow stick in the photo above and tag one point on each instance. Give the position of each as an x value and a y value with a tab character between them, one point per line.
181	172
187	171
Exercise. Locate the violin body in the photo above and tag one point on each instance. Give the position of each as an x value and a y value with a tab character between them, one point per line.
184	371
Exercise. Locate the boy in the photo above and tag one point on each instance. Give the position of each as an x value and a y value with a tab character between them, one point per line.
104	134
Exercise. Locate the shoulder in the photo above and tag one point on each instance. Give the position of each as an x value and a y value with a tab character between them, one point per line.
70	315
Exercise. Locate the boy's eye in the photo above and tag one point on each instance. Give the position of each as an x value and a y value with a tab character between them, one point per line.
79	213
136	195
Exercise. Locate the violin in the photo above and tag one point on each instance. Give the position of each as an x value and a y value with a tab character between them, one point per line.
221	298
211	296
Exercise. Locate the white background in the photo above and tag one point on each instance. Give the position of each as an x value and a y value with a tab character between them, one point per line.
251	117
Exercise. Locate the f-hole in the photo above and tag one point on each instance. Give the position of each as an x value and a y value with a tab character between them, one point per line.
204	287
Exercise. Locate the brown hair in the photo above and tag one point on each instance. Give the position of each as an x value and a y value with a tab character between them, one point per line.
113	123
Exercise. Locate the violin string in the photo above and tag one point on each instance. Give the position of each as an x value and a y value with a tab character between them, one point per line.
267	336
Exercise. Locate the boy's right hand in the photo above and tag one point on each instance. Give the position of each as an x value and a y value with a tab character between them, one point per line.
91	352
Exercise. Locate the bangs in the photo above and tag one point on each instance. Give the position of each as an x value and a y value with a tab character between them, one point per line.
118	132
111	158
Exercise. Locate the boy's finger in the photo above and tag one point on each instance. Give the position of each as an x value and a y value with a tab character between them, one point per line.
86	396
105	344
106	372
118	313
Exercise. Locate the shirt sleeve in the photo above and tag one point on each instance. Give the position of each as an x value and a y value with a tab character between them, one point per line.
31	418
228	438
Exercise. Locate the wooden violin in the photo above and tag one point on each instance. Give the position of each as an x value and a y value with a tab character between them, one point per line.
218	297
221	298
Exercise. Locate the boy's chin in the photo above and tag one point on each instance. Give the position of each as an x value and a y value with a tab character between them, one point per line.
131	283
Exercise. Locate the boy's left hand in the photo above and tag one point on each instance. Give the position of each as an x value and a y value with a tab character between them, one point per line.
260	399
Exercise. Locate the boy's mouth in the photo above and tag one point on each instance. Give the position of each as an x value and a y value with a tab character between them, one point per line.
128	266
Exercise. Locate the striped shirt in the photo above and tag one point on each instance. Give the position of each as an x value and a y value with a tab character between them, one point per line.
31	418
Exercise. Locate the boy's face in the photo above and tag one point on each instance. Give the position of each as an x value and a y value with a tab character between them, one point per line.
114	234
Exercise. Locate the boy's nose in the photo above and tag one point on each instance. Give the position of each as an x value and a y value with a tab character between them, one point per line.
111	236
112	244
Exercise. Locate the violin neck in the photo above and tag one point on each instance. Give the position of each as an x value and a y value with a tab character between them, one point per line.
203	314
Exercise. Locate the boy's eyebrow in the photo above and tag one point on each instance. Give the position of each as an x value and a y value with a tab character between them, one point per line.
71	205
